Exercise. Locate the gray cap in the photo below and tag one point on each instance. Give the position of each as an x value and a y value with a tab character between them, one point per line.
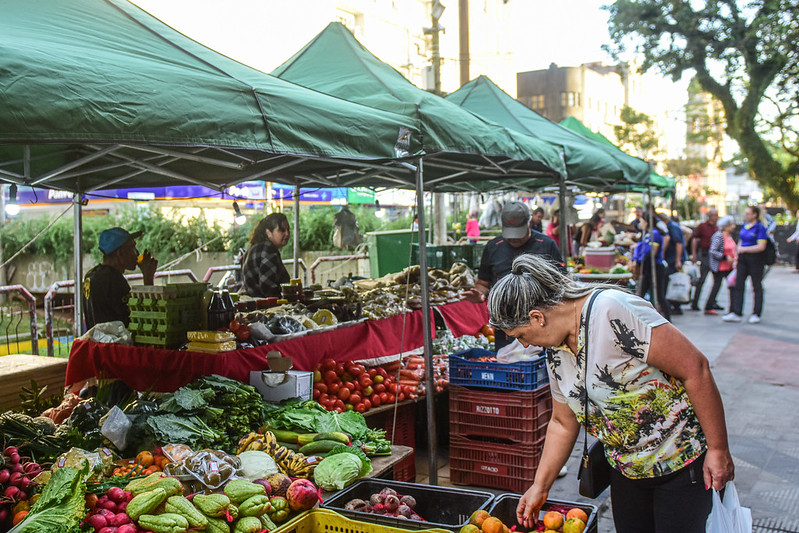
515	220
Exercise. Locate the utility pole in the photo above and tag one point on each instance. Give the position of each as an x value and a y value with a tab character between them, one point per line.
439	201
463	40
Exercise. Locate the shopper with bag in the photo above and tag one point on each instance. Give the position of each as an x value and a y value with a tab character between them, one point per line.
751	263
700	252
723	254
652	243
632	380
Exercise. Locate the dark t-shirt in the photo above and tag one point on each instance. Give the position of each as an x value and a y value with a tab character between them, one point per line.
703	233
105	296
498	255
537	227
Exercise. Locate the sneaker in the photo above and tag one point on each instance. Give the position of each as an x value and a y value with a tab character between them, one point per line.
717	307
694	308
731	317
563	471
711	312
754	319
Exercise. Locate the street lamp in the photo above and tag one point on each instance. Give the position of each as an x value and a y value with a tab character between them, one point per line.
436	10
240	218
12	207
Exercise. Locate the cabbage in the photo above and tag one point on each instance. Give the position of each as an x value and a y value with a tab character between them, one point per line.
337	471
256	464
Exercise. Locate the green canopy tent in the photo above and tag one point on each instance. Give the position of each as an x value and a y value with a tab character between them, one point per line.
588	164
462	152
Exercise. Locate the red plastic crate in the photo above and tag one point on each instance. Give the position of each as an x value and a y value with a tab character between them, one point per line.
403	434
489	464
519	416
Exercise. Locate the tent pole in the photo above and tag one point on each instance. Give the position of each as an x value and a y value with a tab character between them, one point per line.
564	222
296	251
652	251
77	218
432	440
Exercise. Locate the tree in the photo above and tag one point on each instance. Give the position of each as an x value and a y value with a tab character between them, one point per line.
742	52
636	132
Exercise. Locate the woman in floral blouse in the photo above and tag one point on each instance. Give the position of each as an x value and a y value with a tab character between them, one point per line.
652	400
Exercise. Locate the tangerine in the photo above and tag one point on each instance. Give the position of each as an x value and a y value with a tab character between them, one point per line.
553	520
469	528
576	512
478	517
19	517
573	525
144	459
493	525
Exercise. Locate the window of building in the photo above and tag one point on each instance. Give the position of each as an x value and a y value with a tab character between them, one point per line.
570	99
537	101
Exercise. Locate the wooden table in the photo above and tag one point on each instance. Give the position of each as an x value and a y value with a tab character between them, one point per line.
17	371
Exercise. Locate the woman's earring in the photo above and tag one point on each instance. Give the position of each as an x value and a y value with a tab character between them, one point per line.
541	324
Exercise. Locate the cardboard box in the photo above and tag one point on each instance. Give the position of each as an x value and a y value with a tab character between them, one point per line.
278	386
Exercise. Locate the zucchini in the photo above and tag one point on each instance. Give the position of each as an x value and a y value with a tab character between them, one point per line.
319	446
343	438
293	446
306	438
285	435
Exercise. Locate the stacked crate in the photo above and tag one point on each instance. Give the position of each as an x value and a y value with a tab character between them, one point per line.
403	434
498	419
161	315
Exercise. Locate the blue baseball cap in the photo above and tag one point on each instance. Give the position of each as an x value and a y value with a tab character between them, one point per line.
112	239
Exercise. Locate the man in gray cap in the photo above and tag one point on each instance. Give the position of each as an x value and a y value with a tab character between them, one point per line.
517	238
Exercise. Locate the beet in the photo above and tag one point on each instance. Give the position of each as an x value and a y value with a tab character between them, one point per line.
97	521
119	519
392	503
5	474
116	494
127	528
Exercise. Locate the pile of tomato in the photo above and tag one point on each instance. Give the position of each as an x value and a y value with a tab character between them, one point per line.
346	386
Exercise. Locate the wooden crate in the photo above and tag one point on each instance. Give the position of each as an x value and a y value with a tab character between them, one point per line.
17	371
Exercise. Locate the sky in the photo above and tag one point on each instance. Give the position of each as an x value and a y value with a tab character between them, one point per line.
255	32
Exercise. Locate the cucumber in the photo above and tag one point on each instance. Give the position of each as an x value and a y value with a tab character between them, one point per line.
293	446
285	435
306	438
319	446
343	438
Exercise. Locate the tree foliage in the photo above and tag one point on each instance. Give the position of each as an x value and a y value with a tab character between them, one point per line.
743	53
637	133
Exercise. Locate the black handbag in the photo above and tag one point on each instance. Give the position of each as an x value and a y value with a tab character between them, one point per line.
594	473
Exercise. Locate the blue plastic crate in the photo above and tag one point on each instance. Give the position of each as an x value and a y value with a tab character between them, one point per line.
524	375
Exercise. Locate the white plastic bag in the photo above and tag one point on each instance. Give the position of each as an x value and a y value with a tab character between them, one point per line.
515	352
727	515
732	278
113	332
679	288
693	271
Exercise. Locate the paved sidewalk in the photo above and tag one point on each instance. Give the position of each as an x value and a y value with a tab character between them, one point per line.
756	367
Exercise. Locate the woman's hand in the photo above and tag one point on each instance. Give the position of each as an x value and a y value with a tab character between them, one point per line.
719	469
529	505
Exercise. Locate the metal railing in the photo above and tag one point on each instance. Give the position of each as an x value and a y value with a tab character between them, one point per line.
11	316
65	340
235	268
332	258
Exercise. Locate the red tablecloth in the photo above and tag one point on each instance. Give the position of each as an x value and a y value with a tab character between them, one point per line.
143	368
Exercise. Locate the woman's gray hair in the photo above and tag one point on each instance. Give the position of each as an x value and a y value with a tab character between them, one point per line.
725	221
534	282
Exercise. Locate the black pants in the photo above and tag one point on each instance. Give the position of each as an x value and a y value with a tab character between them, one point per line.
703	256
796	259
718	279
646	286
749	265
676	502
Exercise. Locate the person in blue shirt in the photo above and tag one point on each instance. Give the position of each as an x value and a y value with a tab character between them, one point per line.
751	264
641	256
673	252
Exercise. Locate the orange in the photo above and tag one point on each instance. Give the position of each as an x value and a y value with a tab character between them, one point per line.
491	338
18	517
470	528
576	512
478	517
493	525
553	520
145	459
573	525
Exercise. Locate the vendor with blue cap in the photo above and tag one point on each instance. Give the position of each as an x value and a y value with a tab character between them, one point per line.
105	289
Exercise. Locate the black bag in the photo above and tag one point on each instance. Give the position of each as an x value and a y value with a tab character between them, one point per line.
594	473
770	253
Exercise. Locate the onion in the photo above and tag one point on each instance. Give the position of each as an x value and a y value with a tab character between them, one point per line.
110	505
116	494
126	528
97	521
108	529
122	507
119	519
5	474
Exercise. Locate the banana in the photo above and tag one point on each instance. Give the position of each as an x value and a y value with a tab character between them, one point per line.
245	442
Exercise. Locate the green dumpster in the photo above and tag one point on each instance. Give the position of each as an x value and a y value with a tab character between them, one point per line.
389	251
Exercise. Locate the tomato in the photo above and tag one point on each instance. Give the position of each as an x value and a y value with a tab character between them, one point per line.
328	364
349	407
383	397
339	404
343	393
379	387
317	376
378	379
368	403
321	386
367	391
356	370
407	389
365	380
360	407
401	397
350	385
316	394
346	376
355	397
392	388
382	371
330	376
339	368
375	399
391	398
338	410
372	372
91	500
333	388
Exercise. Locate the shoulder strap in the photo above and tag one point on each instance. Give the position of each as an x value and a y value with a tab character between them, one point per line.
585	373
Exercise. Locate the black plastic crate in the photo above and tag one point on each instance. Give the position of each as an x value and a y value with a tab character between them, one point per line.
440	507
504	508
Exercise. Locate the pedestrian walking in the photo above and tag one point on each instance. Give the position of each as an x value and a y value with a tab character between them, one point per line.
751	264
673	253
537	220
795	237
722	256
472	227
641	387
700	247
651	242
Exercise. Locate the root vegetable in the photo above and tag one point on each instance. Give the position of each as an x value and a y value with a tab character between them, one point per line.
97	521
404	510
11	450
375	499
392	503
12	493
5	474
410	501
116	494
357	505
388	491
127	528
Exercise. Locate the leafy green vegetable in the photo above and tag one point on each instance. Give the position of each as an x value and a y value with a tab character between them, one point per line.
366	463
61	505
335	472
189	430
187	399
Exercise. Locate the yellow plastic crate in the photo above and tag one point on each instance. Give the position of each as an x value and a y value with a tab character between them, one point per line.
327	521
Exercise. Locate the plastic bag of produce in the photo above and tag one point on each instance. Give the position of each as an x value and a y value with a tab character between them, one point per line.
109	333
115	427
256	464
515	352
